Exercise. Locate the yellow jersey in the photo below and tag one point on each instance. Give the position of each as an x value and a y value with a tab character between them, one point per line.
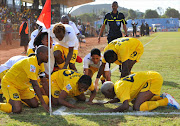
21	72
129	87
125	48
67	80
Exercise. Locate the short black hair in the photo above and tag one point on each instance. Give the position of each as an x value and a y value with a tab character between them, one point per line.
110	55
39	38
64	17
85	79
95	51
115	2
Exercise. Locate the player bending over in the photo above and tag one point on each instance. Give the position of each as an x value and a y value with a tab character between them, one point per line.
69	82
122	51
144	87
92	62
22	75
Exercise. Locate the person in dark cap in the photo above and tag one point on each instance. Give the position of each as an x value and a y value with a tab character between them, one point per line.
23	32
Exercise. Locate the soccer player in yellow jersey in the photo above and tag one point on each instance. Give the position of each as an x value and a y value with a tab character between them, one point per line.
69	82
144	87
22	75
122	51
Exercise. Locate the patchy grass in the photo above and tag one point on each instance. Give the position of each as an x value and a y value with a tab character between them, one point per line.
161	55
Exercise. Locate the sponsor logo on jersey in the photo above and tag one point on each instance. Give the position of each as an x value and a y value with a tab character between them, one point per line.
32	68
56	93
68	87
15	95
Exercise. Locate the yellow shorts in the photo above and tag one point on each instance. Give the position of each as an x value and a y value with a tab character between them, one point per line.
136	55
154	85
10	92
29	51
93	69
55	90
65	52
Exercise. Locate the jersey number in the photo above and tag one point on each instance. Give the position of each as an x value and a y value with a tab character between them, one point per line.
129	78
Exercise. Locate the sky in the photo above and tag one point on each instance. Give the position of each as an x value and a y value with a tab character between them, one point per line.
141	5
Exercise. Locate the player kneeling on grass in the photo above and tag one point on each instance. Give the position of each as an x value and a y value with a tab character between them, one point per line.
92	62
22	75
69	82
122	51
144	87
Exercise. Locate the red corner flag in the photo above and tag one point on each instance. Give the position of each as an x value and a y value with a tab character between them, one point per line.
45	16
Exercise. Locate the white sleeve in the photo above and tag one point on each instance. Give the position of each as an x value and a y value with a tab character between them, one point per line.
72	38
74	27
106	67
85	62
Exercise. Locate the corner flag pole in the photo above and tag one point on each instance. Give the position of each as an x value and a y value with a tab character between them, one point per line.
49	63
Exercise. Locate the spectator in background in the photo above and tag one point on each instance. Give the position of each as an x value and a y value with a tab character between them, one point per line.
142	29
23	32
114	19
147	29
8	32
134	28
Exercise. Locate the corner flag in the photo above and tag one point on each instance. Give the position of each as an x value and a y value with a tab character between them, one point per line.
45	16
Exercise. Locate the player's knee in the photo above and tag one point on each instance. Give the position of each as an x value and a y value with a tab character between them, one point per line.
17	109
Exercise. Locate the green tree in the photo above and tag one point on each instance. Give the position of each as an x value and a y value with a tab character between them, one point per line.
88	17
171	12
151	14
131	14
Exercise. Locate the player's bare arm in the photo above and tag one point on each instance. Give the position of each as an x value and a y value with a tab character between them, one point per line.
38	93
58	55
45	85
100	72
125	69
101	31
62	101
122	108
69	56
92	96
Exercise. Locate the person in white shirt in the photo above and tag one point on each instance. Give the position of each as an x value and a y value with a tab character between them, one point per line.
92	62
66	45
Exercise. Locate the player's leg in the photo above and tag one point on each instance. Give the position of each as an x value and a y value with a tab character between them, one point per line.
130	65
81	97
28	96
141	98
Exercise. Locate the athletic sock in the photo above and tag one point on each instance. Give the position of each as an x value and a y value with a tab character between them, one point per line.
6	107
155	98
150	105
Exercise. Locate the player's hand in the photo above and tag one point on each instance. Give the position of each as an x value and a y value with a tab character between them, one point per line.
99	103
99	39
96	86
46	107
126	36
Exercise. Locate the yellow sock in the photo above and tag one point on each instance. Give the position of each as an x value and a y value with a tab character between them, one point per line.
6	107
46	99
150	105
155	98
1	91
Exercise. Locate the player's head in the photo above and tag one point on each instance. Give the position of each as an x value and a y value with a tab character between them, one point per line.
114	6
42	39
108	89
110	56
59	31
64	19
84	83
95	55
42	53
